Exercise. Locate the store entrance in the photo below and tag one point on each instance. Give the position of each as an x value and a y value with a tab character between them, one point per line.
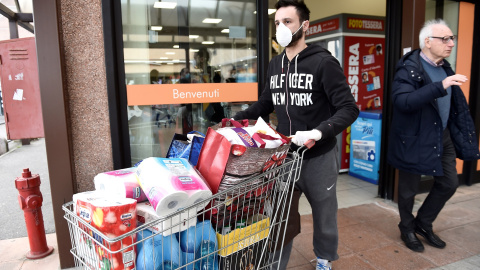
188	65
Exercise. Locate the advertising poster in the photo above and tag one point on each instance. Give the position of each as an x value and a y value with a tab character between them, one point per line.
365	147
364	69
345	150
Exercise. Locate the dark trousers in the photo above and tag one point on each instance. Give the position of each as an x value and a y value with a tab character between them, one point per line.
443	189
318	180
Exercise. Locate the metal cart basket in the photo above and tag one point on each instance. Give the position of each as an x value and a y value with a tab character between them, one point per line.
240	227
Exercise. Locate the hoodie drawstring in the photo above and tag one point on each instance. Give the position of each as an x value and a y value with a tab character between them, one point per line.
286	86
296	62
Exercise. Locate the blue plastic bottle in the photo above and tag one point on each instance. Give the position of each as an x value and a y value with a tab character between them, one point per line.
141	235
161	252
186	259
206	262
198	241
191	238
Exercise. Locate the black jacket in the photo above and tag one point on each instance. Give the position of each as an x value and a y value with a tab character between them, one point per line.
415	143
309	92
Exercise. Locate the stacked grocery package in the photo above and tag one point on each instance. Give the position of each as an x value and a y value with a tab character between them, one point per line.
159	198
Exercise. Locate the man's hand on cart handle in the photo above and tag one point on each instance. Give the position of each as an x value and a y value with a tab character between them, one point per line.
302	137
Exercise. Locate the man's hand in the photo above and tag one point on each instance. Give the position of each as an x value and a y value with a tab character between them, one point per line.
301	137
457	79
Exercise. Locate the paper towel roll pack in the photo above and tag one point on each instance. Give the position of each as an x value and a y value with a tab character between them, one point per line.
171	184
113	217
174	224
122	183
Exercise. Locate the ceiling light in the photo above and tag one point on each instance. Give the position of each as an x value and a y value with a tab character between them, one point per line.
270	11
170	63
193	36
167	5
164	58
208	42
171	53
194	50
225	30
176	46
156	28
211	20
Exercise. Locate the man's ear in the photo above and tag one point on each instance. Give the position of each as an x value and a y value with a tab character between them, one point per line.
427	42
306	24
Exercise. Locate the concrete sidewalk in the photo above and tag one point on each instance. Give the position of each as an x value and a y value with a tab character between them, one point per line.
369	239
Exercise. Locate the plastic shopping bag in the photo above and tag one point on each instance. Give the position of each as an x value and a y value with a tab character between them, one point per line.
219	156
183	147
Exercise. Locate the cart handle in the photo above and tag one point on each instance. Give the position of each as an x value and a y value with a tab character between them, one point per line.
309	144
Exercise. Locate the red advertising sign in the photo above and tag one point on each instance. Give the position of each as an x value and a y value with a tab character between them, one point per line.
364	68
322	27
365	24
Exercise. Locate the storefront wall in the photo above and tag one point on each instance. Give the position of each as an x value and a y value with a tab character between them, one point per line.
158	43
87	130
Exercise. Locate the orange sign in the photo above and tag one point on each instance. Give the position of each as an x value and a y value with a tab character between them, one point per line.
152	94
365	24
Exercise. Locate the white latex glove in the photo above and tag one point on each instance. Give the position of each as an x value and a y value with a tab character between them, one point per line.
301	137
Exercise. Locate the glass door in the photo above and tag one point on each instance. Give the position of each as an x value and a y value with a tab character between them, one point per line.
188	64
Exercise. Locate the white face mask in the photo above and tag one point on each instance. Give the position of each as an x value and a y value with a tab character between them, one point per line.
284	36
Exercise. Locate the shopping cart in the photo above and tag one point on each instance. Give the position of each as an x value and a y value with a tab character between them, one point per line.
240	227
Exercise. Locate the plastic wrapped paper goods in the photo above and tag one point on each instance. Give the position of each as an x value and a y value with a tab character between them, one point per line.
122	183
171	184
174	224
112	217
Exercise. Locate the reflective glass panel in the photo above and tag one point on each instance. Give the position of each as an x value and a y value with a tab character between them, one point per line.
187	43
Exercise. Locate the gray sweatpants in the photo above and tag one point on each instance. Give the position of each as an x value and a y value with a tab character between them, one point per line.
318	180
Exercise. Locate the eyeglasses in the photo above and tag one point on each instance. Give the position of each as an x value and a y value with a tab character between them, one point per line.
446	39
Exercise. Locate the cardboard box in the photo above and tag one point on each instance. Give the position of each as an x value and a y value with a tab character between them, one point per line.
241	248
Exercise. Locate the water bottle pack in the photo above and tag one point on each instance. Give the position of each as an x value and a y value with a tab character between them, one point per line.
180	249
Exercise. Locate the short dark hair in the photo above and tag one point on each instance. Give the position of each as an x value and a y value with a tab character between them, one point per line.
302	9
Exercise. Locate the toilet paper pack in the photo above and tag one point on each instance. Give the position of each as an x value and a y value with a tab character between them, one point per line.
112	217
122	183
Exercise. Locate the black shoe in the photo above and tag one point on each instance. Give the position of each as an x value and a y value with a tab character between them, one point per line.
412	242
431	238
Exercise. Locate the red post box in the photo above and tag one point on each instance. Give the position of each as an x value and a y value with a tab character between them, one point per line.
30	200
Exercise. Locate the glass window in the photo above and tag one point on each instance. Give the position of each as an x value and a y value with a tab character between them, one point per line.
176	46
